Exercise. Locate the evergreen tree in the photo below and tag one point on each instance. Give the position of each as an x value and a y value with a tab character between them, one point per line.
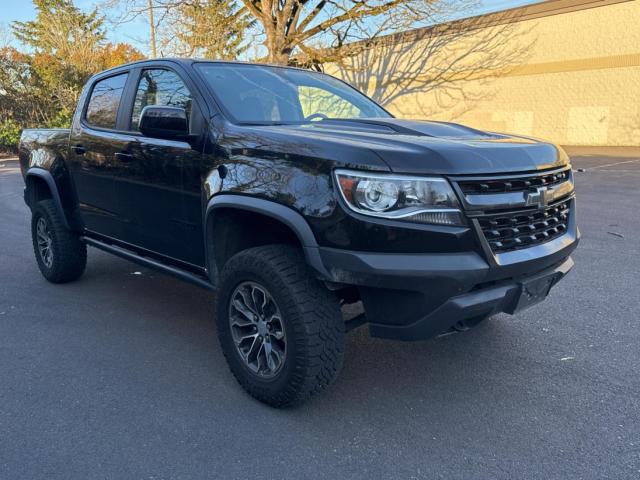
212	29
65	47
63	31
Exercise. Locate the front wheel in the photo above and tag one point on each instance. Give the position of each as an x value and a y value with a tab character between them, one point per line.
280	329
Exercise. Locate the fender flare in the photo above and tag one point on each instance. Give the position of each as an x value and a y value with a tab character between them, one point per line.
53	188
292	219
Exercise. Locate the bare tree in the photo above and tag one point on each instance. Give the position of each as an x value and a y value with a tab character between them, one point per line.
389	49
438	60
119	12
310	27
152	29
293	29
212	28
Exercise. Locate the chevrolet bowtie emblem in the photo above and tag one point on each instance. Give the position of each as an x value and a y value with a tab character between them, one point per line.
541	197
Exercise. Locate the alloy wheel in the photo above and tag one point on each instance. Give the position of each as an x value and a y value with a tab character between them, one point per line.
257	329
43	236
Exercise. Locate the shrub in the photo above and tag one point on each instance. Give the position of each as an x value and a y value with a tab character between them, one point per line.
9	135
62	119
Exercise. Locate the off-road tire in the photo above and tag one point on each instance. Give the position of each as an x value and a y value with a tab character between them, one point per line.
69	254
312	322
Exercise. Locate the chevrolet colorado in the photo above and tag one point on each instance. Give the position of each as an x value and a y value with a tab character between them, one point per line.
291	194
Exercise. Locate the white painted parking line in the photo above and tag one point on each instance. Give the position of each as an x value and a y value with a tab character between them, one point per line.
612	164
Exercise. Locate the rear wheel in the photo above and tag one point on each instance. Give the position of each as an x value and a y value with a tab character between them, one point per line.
60	254
280	329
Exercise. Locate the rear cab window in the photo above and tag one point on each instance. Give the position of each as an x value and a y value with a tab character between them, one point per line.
102	109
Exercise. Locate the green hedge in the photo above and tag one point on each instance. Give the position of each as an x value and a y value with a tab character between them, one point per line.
9	135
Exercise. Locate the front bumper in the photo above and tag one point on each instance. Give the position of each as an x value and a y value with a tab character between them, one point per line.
418	296
503	297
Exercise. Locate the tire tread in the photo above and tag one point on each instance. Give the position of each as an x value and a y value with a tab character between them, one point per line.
318	324
69	253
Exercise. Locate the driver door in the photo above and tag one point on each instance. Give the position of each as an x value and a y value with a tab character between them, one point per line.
150	184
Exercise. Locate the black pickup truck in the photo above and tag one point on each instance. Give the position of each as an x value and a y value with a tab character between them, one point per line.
291	194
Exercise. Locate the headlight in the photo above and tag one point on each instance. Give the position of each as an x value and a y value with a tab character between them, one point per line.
399	197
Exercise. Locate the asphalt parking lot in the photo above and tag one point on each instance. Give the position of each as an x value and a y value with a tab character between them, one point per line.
119	375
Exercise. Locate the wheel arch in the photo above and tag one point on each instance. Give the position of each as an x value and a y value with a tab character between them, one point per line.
291	228
40	185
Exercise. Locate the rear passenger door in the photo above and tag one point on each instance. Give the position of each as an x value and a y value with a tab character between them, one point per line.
150	184
92	156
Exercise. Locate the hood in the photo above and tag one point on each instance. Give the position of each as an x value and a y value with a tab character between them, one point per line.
423	147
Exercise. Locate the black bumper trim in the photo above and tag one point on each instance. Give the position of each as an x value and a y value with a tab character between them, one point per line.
488	301
403	271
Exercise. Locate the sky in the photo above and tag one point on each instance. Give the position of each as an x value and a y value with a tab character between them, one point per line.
136	32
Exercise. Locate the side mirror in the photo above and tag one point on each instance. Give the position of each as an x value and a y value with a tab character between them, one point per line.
164	122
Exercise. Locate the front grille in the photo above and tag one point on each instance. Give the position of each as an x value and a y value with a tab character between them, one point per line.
510	231
513	184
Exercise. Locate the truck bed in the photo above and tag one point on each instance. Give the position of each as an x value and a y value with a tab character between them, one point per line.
40	146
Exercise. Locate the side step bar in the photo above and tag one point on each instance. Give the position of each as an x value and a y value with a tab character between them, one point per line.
149	262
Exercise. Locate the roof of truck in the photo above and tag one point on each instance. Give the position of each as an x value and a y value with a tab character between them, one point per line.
189	61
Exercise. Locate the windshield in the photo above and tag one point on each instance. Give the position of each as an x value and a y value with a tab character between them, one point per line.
266	94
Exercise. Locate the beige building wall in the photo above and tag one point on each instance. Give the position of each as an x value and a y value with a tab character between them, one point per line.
579	85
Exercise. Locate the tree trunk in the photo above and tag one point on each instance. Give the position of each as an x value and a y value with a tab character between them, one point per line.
278	47
278	58
152	25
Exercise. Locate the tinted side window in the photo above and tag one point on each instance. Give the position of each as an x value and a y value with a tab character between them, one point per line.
105	99
160	87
